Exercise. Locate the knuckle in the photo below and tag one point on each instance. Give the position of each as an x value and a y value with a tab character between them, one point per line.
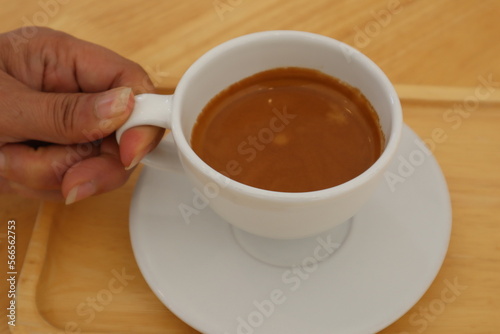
62	110
37	173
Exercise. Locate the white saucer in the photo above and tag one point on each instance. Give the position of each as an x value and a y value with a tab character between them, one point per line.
392	254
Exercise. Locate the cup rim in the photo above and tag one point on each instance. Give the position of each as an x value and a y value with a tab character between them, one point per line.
376	168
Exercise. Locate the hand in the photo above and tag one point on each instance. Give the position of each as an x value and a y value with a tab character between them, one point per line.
61	99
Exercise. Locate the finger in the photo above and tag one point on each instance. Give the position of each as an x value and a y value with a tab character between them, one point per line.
63	118
68	64
136	142
95	175
41	168
11	187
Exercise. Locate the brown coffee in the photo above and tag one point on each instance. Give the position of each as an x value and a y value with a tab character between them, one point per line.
289	129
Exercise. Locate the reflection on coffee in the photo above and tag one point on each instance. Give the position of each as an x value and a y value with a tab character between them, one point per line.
289	129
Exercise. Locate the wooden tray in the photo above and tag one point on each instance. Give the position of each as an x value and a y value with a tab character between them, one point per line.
80	275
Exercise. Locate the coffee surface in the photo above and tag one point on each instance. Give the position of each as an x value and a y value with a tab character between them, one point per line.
290	130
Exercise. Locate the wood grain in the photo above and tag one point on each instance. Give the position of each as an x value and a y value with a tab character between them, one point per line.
438	53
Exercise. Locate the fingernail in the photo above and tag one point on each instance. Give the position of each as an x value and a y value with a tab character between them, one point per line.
134	162
138	158
112	103
80	192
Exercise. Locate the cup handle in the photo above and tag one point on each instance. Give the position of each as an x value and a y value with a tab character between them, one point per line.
156	110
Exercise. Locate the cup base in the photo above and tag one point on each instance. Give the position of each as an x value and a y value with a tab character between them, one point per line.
297	252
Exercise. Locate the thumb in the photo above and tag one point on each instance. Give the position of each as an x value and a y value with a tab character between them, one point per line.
66	118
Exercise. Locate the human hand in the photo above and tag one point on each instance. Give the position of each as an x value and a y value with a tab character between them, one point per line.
71	95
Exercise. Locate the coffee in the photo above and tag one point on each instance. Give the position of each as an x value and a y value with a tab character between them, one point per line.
290	130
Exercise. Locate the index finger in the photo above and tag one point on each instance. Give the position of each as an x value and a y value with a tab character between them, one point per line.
67	64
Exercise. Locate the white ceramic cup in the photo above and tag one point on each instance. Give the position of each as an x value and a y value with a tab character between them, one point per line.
270	214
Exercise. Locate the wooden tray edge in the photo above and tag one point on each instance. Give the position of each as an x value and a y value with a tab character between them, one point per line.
442	94
29	318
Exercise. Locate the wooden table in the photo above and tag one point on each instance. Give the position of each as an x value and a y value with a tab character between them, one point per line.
438	53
